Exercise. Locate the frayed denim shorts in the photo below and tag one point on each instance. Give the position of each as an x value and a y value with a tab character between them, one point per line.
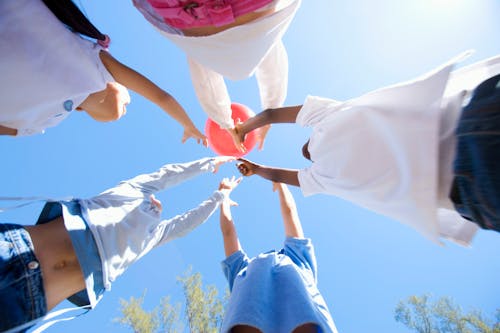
22	297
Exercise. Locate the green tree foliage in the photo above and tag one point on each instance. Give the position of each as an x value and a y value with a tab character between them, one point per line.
421	315
203	310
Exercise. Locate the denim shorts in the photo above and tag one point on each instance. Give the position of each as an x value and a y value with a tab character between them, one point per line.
476	186
22	297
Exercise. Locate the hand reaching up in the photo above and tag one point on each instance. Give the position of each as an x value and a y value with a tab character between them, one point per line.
227	185
219	160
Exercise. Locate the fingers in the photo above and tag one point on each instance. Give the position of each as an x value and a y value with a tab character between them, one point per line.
219	160
262	135
225	159
261	144
237	140
244	169
155	202
275	186
229	183
197	135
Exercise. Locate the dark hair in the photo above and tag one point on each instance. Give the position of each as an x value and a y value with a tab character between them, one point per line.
69	14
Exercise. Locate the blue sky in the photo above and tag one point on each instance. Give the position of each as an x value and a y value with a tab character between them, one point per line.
337	49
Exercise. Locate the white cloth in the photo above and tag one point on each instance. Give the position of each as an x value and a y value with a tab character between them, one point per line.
126	225
236	54
391	150
46	70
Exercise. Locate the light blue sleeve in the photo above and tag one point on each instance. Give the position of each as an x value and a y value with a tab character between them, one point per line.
301	252
181	225
170	175
233	265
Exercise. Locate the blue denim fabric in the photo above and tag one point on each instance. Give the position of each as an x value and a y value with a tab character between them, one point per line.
476	187
22	297
88	256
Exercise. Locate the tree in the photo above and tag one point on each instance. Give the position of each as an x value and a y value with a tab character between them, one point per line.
443	316
203	311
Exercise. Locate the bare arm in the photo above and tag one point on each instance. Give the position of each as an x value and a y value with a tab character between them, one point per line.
7	131
291	220
286	114
229	234
280	175
143	86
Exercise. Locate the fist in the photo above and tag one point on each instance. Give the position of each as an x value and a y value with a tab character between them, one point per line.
247	168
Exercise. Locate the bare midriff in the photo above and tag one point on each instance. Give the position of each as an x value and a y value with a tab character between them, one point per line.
240	20
62	275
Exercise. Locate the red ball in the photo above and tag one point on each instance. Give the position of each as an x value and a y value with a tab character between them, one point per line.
221	141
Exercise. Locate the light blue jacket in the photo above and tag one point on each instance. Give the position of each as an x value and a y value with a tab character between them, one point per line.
124	225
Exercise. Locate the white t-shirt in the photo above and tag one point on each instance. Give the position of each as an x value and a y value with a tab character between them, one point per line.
47	71
235	53
391	150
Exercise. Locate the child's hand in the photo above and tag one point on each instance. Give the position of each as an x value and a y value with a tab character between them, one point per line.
237	139
227	185
278	186
219	160
261	135
156	203
247	168
193	132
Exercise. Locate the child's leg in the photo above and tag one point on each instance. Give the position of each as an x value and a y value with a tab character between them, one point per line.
476	187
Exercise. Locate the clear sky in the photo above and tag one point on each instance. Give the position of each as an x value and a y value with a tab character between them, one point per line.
337	49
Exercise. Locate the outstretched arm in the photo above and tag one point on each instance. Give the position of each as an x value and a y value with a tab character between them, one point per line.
229	234
291	220
167	176
143	86
182	224
286	114
212	94
280	175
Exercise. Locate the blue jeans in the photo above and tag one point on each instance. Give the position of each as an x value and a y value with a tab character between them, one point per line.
476	187
22	297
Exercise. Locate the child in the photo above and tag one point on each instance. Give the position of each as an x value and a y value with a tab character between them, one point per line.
275	291
395	150
49	71
79	247
228	39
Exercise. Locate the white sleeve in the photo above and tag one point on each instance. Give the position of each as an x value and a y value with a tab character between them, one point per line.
272	77
455	228
167	176
212	94
315	109
181	225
